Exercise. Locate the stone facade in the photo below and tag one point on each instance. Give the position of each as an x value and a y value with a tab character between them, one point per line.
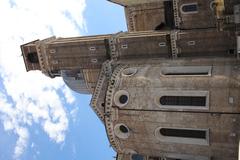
168	89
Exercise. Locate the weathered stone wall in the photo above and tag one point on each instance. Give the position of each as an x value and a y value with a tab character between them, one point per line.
143	115
204	17
141	17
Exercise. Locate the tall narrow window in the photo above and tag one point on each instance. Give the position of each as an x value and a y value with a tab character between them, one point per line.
183	135
187	71
183	100
169	14
189	8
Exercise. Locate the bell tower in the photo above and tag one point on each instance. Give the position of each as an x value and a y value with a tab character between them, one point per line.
166	89
78	60
30	56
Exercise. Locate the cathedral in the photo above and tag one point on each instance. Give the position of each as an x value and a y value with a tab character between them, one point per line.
168	88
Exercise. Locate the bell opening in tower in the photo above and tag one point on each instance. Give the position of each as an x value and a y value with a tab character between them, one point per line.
169	14
32	57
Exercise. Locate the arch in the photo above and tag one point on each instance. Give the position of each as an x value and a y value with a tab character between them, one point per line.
32	57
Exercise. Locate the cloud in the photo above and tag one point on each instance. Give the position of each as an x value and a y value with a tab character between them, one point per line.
28	98
10	122
74	113
21	142
68	95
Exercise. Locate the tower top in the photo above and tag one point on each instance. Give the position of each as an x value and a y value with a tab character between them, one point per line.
30	57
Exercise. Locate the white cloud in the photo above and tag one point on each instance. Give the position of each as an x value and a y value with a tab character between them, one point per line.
32	145
21	142
74	113
31	97
68	95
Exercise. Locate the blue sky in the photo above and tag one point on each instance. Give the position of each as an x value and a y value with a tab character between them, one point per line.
40	118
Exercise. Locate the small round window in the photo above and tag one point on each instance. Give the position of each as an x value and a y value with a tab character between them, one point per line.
129	71
121	131
121	98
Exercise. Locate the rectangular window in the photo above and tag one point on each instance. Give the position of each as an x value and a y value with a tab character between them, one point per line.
162	44
191	43
187	71
124	46
92	48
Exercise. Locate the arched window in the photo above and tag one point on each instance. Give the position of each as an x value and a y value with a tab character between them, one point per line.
189	8
183	133
33	57
183	100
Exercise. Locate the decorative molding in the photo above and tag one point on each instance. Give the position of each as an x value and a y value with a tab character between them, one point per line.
110	112
177	18
102	79
113	41
131	20
42	54
174	48
120	156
